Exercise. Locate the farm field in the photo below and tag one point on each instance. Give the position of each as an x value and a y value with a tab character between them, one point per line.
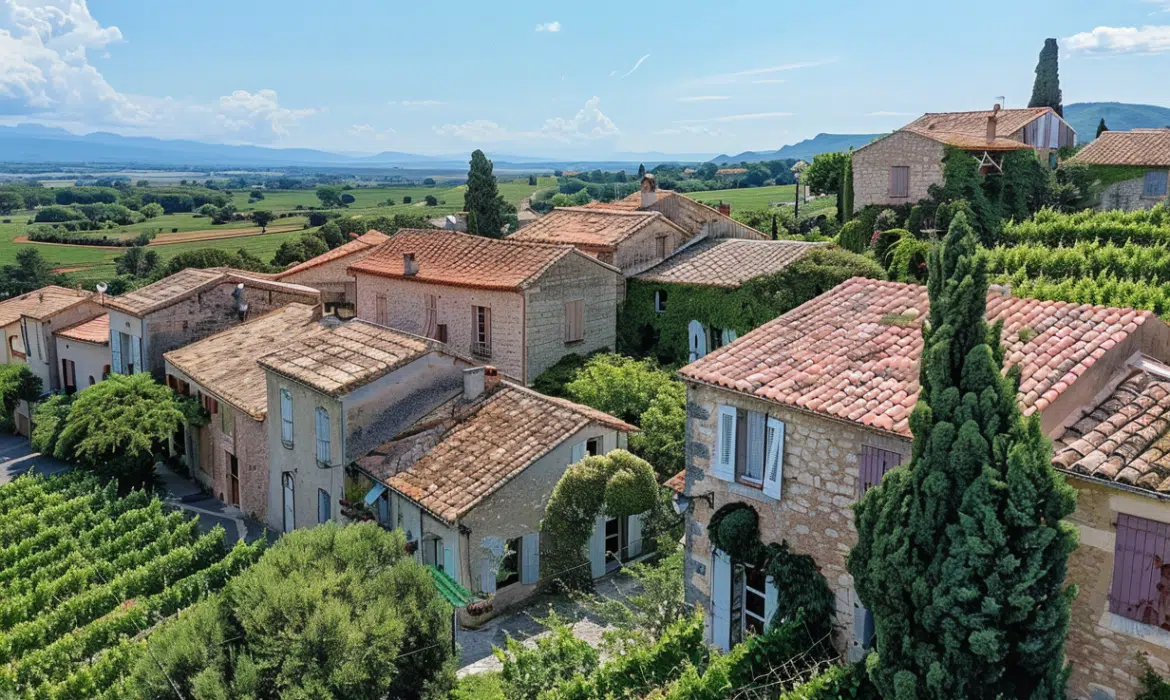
748	197
86	572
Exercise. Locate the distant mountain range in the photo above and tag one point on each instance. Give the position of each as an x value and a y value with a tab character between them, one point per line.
1119	116
805	150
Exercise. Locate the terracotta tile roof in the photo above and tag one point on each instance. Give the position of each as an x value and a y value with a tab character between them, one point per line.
731	171
1126	438
678	482
452	467
632	202
226	365
852	353
970	141
365	242
699	213
589	226
460	259
182	284
95	330
1148	147
727	262
974	123
347	357
41	304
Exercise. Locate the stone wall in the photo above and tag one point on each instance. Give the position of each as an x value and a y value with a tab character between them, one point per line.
1127	196
332	279
872	163
572	277
700	219
639	252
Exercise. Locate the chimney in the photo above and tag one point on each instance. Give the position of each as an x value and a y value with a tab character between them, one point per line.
473	382
649	190
409	266
725	208
491	378
991	121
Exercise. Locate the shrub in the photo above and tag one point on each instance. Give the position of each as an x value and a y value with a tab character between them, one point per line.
406	199
555	657
55	213
48	421
17	383
618	385
853	238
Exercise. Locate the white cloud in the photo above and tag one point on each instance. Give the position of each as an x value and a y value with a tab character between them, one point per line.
737	117
737	75
588	124
416	103
885	113
366	132
689	130
703	98
1112	41
631	71
549	27
246	111
475	130
1164	4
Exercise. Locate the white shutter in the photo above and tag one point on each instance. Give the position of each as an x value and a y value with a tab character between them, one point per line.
770	601
698	340
286	417
487	573
720	600
597	548
530	558
449	562
634	536
723	465
774	467
136	353
578	453
116	353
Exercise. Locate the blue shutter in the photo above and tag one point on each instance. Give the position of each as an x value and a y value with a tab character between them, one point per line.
1155	183
116	353
322	435
323	506
286	418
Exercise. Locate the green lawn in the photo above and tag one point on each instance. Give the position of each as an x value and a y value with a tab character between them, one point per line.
373	197
748	197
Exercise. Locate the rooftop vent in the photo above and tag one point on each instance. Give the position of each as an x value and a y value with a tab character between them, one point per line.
409	266
649	190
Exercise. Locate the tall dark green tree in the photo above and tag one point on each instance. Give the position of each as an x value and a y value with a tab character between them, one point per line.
641	171
1046	88
483	199
962	553
1101	128
846	212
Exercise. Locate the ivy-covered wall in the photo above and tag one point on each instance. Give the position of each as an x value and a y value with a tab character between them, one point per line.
642	331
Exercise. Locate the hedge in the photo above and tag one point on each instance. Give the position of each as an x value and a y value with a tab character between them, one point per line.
1052	228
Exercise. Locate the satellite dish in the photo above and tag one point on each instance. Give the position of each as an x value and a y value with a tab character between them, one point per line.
240	285
102	287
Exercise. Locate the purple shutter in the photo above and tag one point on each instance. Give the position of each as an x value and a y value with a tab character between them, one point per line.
1141	572
874	465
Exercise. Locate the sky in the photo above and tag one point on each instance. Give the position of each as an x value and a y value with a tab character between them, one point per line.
554	79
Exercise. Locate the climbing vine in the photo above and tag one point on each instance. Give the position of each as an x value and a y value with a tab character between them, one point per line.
616	484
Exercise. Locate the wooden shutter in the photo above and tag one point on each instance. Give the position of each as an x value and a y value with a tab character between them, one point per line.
774	464
1141	565
698	339
634	536
753	468
574	320
530	558
431	313
720	600
487	573
899	181
286	417
289	502
116	352
597	548
381	310
322	435
873	465
487	325
723	464
577	452
449	562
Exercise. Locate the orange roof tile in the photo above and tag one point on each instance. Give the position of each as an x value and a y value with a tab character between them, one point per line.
1140	147
95	330
365	242
41	304
727	262
678	482
632	202
970	141
226	364
451	468
174	288
843	355
590	227
347	357
1008	122
460	259
1125	439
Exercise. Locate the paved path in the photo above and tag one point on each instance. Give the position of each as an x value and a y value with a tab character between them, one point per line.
17	457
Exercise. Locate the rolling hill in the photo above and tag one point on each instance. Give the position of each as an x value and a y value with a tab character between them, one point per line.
1119	116
805	150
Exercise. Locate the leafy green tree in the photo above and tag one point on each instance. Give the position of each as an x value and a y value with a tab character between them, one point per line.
10	202
532	181
642	171
661	440
330	196
618	385
262	217
17	383
151	210
962	553
117	426
824	175
845	208
336	613
1046	87
431	200
1101	128
137	262
483	198
333	235
429	181
213	257
48	422
528	672
31	272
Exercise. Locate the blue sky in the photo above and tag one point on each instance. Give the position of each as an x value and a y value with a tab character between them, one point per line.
587	79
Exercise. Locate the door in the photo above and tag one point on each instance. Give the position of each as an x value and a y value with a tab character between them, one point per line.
289	521
613	543
721	600
698	336
233	479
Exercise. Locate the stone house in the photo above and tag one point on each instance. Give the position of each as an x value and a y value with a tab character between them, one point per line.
470	481
329	272
521	306
799	417
229	455
629	240
188	306
84	351
694	217
27	324
719	264
899	168
1142	156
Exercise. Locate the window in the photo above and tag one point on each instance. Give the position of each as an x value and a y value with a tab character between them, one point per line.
660	301
1155	183
900	181
322	436
509	571
593	446
227	420
210	404
1141	571
755	597
660	247
432	551
91	381
749	453
289	507
233	479
431	316
69	376
613	543
441	333
286	418
381	310
481	331
874	464
105	372
574	321
323	506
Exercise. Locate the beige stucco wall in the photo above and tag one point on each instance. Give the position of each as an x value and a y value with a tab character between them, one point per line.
572	277
639	252
871	168
1127	196
89	359
42	359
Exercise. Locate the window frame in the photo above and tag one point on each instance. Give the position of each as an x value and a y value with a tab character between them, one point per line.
324	507
324	443
660	300
286	420
890	185
762	594
744	447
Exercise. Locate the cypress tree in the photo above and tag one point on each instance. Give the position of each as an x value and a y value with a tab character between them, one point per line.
1101	128
641	171
1046	88
961	553
482	199
846	200
775	229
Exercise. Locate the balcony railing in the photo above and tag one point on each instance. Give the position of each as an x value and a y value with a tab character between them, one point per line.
482	351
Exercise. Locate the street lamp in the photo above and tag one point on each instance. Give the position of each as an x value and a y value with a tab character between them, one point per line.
797	169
